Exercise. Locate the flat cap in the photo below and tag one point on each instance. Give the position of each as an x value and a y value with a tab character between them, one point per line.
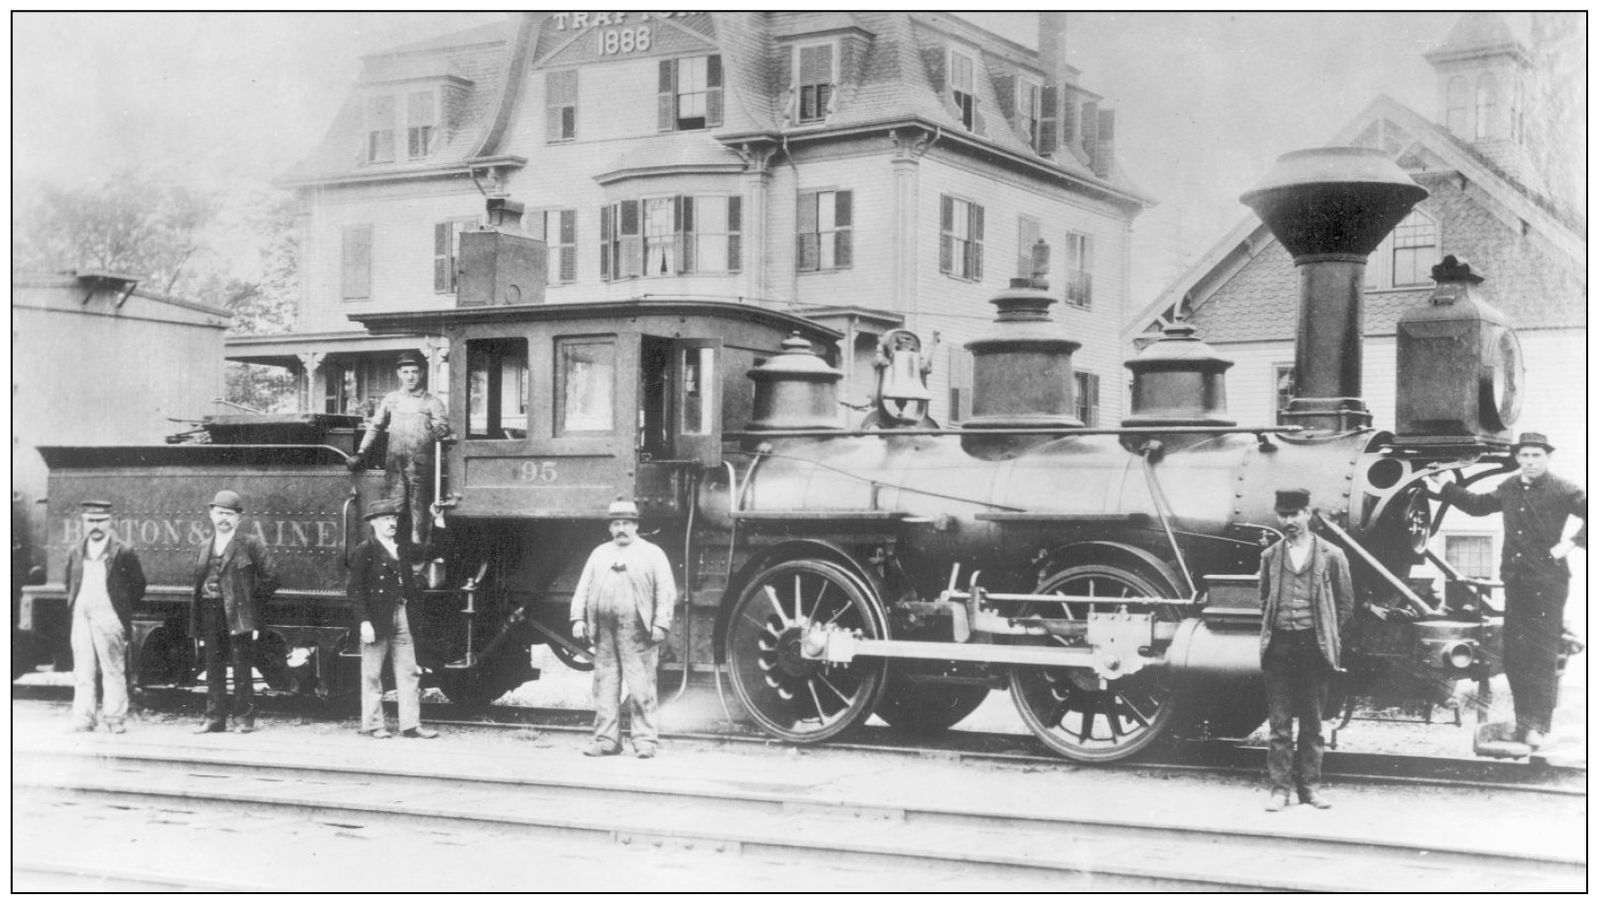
408	358
1533	439
99	507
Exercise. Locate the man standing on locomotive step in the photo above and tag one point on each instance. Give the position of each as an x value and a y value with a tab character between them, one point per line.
234	578
1536	506
414	419
104	585
625	600
1306	591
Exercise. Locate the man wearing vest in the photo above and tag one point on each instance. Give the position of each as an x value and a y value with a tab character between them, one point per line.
104	585
624	601
1306	591
234	578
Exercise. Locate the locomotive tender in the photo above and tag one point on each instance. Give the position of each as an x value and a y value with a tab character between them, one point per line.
1106	576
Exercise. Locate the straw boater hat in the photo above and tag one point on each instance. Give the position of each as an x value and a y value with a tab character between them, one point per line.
623	509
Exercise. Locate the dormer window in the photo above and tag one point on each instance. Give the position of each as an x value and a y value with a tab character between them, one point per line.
960	78
690	93
422	116
1404	258
814	80
415	114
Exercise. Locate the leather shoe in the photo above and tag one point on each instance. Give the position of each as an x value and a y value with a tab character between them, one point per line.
420	733
212	726
1535	739
116	728
1278	799
599	748
1315	800
645	751
380	733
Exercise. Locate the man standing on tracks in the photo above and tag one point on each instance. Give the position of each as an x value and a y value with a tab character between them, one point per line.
414	419
625	600
234	578
1306	590
104	585
386	603
1536	506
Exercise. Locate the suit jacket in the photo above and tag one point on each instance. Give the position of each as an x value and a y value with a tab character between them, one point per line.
248	579
125	578
650	575
378	584
1332	585
1533	521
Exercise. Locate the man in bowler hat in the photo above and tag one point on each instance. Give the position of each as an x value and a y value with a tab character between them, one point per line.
234	578
625	600
1306	591
1536	506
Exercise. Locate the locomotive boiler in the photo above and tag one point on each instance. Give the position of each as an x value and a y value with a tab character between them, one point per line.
1105	576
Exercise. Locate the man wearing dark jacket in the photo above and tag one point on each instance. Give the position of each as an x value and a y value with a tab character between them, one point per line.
386	603
1306	590
1536	505
234	578
104	585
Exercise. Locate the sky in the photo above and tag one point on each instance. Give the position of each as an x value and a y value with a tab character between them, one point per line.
1205	101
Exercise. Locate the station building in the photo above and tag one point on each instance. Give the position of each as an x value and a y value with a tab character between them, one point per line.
869	170
1483	161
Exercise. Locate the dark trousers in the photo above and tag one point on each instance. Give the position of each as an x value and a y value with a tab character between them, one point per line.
1296	678
216	638
1533	627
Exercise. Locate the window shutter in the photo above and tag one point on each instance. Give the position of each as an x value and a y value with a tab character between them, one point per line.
442	257
684	229
1049	120
734	234
606	242
946	234
807	231
665	84
1088	124
977	247
631	250
843	229
715	91
1071	120
568	230
1087	270
1007	88
356	256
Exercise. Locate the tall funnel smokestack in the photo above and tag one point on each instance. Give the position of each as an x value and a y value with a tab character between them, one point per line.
1330	207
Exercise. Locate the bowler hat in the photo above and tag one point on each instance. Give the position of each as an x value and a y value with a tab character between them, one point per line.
623	509
409	358
1290	500
1533	439
96	507
228	500
377	508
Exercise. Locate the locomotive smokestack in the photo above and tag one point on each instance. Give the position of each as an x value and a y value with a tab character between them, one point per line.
1330	207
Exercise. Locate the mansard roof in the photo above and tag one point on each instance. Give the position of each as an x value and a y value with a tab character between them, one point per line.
895	73
1257	274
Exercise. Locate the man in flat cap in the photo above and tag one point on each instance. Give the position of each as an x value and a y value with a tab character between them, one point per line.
414	419
385	604
1536	507
1306	590
625	600
104	585
234	578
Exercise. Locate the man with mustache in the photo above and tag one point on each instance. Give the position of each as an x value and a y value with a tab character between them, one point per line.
234	578
1536	506
625	600
1306	590
104	585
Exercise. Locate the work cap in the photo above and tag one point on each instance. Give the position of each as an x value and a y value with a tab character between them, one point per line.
1290	500
1533	439
96	507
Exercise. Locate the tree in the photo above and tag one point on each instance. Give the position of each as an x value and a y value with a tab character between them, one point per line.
130	224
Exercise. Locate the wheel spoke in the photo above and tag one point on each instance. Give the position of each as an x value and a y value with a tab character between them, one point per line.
1087	724
822	587
813	689
831	687
798	599
773	598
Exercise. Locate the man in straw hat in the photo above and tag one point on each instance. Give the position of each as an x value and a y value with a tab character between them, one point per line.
1536	506
104	585
625	600
234	578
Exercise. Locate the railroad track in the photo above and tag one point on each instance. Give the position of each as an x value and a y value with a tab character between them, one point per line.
1180	756
868	829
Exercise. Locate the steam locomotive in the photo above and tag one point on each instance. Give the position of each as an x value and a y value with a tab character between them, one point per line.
1106	577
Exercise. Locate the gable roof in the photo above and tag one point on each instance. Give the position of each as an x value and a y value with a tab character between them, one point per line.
1259	308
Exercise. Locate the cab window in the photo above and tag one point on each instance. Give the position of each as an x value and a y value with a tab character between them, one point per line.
498	389
584	378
